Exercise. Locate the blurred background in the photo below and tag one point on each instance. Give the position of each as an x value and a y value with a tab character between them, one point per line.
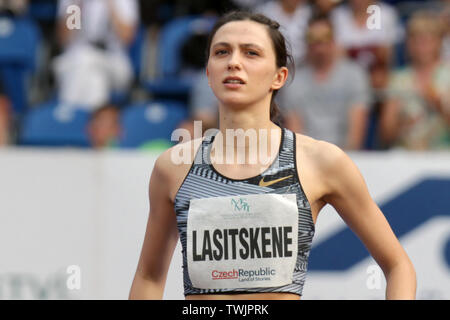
92	90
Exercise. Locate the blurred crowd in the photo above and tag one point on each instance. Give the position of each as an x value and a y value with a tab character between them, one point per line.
369	75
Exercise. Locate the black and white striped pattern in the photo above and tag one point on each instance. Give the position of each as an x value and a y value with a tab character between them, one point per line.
204	181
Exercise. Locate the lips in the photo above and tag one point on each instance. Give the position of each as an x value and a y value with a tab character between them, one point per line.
233	83
233	80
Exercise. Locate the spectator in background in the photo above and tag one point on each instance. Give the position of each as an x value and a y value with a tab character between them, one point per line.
202	101
95	61
328	99
365	45
379	79
293	16
104	127
193	53
202	106
13	7
323	7
372	47
417	114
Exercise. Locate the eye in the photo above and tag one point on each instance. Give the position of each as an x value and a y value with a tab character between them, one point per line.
220	52
252	53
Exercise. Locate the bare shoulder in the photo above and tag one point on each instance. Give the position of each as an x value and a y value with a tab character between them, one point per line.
174	163
323	162
323	154
334	168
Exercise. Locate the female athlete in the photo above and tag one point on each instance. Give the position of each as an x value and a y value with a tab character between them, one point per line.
246	228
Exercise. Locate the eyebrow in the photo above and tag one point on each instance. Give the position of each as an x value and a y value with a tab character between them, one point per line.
242	45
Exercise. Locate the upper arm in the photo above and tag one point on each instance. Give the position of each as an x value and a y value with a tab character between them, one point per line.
161	235
348	194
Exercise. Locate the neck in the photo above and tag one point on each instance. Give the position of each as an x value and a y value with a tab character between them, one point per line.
250	117
247	130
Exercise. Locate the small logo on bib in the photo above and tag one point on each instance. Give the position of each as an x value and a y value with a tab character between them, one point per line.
242	275
240	205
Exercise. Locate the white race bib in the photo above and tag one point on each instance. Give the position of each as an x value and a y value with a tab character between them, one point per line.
242	241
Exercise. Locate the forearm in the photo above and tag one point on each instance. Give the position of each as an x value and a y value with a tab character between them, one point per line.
146	289
401	282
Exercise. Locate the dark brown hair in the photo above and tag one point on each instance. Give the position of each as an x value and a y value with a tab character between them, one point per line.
283	56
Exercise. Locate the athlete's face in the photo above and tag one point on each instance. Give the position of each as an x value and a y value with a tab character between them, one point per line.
243	51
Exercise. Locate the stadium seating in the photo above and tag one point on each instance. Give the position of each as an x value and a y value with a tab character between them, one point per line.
19	43
42	10
136	49
144	122
169	62
54	124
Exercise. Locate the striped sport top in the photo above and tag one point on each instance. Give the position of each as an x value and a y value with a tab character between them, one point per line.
241	251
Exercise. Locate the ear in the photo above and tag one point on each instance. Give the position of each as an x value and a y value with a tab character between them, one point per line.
280	78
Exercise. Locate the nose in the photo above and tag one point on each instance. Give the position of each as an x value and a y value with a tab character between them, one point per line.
233	62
